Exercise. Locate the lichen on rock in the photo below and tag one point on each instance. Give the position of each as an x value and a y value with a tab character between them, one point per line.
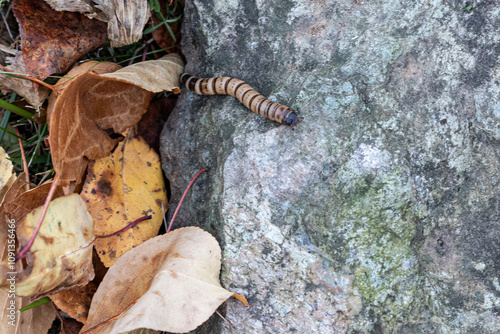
379	212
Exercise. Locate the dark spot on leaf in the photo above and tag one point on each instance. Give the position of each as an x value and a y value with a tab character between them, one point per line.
149	164
104	187
93	191
47	240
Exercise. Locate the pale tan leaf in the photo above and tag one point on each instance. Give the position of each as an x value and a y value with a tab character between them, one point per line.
7	178
168	283
153	75
55	260
126	20
37	320
81	6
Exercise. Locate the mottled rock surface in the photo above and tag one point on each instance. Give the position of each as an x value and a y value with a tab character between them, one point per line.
380	212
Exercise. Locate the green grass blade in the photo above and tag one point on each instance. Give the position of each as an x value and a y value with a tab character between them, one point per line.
15	109
42	301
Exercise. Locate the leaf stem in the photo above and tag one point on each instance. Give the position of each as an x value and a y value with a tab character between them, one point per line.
184	195
52	190
130	225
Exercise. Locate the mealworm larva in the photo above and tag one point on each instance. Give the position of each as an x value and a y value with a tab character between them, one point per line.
244	93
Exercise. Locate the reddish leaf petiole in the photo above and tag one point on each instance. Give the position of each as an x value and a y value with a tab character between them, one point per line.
184	195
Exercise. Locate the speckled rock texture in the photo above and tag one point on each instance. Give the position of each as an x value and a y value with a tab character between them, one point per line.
380	212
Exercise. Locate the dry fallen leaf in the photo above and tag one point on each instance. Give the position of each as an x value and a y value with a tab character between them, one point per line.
169	283
83	110
89	66
26	201
51	263
7	178
75	302
52	41
18	187
152	75
126	20
81	6
121	188
32	92
92	103
37	320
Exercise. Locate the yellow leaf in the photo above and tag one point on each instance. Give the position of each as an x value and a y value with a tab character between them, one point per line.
121	188
169	283
55	260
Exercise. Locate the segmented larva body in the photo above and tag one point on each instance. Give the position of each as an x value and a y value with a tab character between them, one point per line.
244	93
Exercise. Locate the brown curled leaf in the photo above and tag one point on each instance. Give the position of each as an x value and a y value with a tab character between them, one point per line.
82	112
93	102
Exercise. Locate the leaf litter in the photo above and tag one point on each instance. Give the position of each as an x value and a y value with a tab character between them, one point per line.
93	102
88	113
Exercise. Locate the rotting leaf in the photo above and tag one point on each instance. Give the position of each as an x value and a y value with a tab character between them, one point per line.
37	320
56	260
120	188
32	92
51	41
169	283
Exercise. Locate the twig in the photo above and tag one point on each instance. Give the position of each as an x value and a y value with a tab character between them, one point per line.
184	195
7	25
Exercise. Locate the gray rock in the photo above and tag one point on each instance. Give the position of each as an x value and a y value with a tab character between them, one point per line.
379	213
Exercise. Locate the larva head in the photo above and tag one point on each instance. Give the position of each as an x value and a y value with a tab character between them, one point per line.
292	119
